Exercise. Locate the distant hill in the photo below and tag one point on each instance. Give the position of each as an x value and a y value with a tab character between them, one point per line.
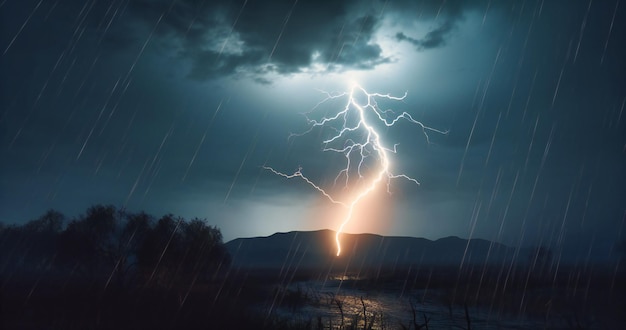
316	250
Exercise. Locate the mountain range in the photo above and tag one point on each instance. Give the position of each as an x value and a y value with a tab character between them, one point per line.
317	250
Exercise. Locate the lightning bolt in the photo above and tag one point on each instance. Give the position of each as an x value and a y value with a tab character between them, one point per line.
368	144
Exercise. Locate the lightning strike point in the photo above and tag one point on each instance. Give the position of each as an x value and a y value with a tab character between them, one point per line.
357	136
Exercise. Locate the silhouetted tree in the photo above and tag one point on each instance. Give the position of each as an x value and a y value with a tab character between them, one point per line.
51	221
204	249
175	251
115	247
106	249
129	234
87	242
160	250
31	247
42	234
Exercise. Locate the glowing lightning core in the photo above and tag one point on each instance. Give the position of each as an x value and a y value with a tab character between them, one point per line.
370	144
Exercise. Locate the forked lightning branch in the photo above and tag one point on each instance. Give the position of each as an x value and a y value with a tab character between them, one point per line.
357	138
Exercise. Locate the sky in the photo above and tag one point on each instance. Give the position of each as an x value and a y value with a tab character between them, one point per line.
175	107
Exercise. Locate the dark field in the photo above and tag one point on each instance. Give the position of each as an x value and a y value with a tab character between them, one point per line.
305	299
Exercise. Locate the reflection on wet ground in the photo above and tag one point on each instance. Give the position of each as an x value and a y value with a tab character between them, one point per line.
342	304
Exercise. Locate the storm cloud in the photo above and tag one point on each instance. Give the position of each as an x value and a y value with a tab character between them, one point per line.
230	38
433	39
175	106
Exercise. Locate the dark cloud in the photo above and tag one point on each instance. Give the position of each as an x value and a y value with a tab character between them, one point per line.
433	39
446	15
352	48
222	38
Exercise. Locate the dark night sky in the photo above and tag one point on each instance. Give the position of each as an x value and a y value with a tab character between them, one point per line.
175	106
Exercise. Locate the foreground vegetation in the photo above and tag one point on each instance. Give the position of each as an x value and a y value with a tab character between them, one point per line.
109	268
